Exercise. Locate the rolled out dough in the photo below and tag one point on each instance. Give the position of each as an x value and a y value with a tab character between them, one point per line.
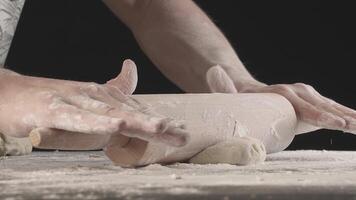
236	151
220	125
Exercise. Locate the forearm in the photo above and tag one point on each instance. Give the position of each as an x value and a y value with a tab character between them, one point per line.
184	43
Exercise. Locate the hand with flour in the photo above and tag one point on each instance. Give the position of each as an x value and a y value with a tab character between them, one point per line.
314	110
184	43
98	111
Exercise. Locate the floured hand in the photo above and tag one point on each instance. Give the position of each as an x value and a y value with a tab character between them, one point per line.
314	110
28	103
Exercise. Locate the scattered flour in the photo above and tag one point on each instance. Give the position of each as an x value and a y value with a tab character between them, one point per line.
90	175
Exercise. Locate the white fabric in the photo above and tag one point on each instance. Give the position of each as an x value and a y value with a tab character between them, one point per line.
10	11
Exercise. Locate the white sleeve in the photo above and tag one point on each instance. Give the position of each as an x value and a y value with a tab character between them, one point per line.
10	11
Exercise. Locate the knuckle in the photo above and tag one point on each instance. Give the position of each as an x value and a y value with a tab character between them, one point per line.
160	125
48	95
303	111
304	86
92	87
74	91
299	84
322	105
55	102
282	88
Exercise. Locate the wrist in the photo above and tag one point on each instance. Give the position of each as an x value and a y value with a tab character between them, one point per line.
5	77
249	86
5	72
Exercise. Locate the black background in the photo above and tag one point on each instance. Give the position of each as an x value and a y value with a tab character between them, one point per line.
279	42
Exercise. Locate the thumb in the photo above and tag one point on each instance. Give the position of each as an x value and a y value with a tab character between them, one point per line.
219	81
126	81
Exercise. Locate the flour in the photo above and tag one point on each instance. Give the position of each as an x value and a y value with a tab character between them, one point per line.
80	176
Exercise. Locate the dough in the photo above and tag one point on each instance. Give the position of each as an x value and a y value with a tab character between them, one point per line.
14	146
236	151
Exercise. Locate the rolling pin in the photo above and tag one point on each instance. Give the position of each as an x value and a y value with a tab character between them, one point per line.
209	118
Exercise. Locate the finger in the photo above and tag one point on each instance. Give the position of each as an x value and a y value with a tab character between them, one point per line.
139	121
132	104
219	81
124	151
312	115
152	128
70	118
303	127
176	134
324	102
120	99
178	124
103	94
126	81
332	107
90	104
320	103
344	109
127	152
172	136
347	113
350	121
48	138
137	124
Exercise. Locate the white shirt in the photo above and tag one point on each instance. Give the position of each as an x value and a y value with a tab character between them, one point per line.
10	11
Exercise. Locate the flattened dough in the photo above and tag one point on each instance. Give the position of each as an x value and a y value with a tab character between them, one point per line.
235	151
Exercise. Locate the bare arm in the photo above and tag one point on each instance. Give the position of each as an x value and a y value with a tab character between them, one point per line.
181	41
185	44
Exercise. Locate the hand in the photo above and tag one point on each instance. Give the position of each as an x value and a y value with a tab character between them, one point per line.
311	107
28	103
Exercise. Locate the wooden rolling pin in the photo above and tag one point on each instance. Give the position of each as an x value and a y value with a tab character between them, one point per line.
209	118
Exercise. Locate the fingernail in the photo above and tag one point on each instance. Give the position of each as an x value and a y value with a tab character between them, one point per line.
117	124
160	124
129	62
177	123
181	125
